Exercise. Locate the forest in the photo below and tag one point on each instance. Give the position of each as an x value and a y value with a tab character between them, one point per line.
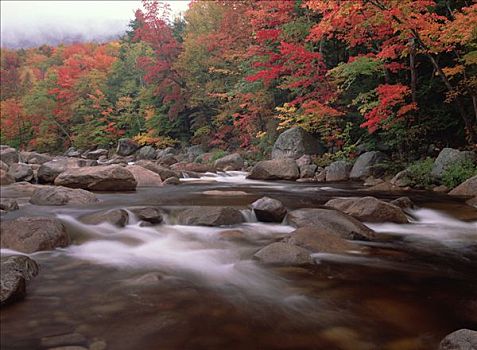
392	75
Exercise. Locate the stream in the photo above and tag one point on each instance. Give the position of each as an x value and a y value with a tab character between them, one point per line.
171	286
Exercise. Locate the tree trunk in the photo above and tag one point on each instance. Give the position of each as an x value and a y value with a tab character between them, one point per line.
412	67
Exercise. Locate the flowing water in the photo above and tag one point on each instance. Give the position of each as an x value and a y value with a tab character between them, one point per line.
187	287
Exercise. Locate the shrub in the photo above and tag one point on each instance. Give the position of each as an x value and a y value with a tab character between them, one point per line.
420	173
217	155
458	173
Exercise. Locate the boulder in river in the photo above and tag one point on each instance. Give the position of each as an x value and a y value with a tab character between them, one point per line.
163	172
338	171
277	169
144	177
462	339
196	167
98	178
21	172
319	239
59	195
8	204
307	171
95	154
151	215
15	271
364	165
403	203
334	221
467	188
126	147
369	209
210	216
295	142
8	155
232	161
280	253
117	217
448	157
269	210
48	171
6	178
172	181
32	234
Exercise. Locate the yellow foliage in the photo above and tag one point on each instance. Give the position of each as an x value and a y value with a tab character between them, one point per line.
451	71
157	141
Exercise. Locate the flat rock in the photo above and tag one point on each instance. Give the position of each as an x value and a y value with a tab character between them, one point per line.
211	216
58	195
287	254
320	239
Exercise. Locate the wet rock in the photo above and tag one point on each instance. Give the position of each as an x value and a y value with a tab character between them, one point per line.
230	162
96	154
278	169
335	221
307	171
280	253
467	188
59	195
172	181
144	177
369	209
163	172
98	178
295	142
8	204
403	203
146	152
32	234
462	339
196	167
126	147
63	339
117	217
15	271
402	178
448	157
149	214
6	178
21	172
319	239
338	171
9	155
363	167
269	210
211	216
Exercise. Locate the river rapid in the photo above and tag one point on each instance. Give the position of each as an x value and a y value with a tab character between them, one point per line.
188	287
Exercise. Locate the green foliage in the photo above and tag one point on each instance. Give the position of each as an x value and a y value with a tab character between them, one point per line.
458	173
420	173
346	74
217	154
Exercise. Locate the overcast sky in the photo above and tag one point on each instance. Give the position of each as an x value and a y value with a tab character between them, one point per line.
33	23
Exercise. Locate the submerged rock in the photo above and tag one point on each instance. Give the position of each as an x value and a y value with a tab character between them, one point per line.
281	253
278	169
15	271
211	216
32	234
269	210
463	339
294	143
61	196
118	217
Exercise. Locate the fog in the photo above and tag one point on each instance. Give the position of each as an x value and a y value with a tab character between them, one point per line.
33	23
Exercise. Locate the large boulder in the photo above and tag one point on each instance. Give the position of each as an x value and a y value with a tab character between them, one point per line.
163	172
448	157
48	171
294	143
126	147
210	216
6	178
34	157
320	239
21	172
15	271
146	152
286	254
269	210
9	155
117	217
369	209
232	161
151	215
364	165
98	178
467	188
32	234
277	169
338	171
462	339
402	178
58	195
195	167
144	177
334	221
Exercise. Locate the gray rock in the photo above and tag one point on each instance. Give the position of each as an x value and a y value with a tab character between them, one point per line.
117	217
6	178
230	162
58	195
146	152
8	204
304	160
32	234
403	203
34	157
72	152
144	177
211	216
169	151
167	159
462	339
369	209
96	154
402	179
4	166
21	172
98	178
307	171
338	171
151	215
126	147
15	271
467	188
294	143
448	157
277	169
363	167
193	152
286	254
334	221
320	175
8	155
319	239
269	210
